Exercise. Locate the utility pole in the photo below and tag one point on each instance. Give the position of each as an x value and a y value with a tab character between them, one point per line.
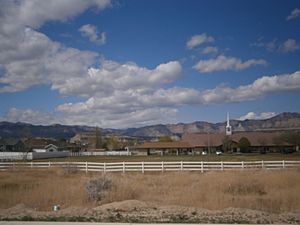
208	142
98	138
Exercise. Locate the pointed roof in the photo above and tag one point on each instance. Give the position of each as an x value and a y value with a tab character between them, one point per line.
228	124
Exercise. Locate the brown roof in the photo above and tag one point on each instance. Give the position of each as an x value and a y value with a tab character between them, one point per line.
255	138
41	142
164	145
202	139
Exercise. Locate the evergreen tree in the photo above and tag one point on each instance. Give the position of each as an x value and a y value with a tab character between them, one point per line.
244	145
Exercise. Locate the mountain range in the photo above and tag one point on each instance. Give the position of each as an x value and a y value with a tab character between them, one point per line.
283	121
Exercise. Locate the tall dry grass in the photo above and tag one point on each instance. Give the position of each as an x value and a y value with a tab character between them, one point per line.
42	189
274	191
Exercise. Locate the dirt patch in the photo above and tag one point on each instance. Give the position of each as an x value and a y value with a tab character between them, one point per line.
138	211
125	206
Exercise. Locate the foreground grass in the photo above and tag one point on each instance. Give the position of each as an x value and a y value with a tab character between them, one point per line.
155	158
273	191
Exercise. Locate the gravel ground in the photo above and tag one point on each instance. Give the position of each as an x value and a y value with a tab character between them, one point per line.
131	211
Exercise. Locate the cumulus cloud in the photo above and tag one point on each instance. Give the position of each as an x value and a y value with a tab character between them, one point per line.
118	95
30	116
226	63
209	50
258	116
261	87
35	59
91	32
122	120
141	105
29	57
294	14
138	101
199	39
114	94
111	76
34	13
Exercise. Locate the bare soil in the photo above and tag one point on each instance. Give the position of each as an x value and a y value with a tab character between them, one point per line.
138	211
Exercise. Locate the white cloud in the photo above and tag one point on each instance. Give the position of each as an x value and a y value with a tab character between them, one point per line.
122	120
136	118
209	50
140	105
261	87
34	13
29	57
289	45
115	94
111	76
256	116
294	14
138	100
199	39
226	63
35	59
92	33
30	116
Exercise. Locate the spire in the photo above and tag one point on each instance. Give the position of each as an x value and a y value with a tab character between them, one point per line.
228	127
227	120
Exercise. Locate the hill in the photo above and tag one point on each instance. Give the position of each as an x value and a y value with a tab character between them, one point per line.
283	121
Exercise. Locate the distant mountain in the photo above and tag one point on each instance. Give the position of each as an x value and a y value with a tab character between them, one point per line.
282	121
57	131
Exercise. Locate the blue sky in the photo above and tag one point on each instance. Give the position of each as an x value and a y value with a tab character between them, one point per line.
132	63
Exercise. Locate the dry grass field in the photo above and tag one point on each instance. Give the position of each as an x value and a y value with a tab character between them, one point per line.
154	158
271	191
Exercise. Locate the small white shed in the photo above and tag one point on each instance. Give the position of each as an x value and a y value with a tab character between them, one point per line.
51	148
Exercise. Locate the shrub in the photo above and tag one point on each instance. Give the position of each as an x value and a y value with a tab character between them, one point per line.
70	168
244	144
98	188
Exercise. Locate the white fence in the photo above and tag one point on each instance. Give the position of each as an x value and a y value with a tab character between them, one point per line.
12	156
156	166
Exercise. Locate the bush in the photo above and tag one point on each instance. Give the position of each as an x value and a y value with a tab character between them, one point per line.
98	188
70	168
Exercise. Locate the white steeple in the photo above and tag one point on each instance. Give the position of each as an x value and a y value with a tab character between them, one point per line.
228	127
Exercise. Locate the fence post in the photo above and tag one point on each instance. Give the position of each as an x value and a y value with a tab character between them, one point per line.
202	167
31	165
162	166
222	166
181	165
123	167
243	165
86	167
283	164
262	164
49	164
104	167
143	167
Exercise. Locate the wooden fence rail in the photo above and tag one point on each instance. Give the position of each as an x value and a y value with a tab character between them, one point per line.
155	166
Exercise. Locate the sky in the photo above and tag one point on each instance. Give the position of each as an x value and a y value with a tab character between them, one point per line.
120	64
